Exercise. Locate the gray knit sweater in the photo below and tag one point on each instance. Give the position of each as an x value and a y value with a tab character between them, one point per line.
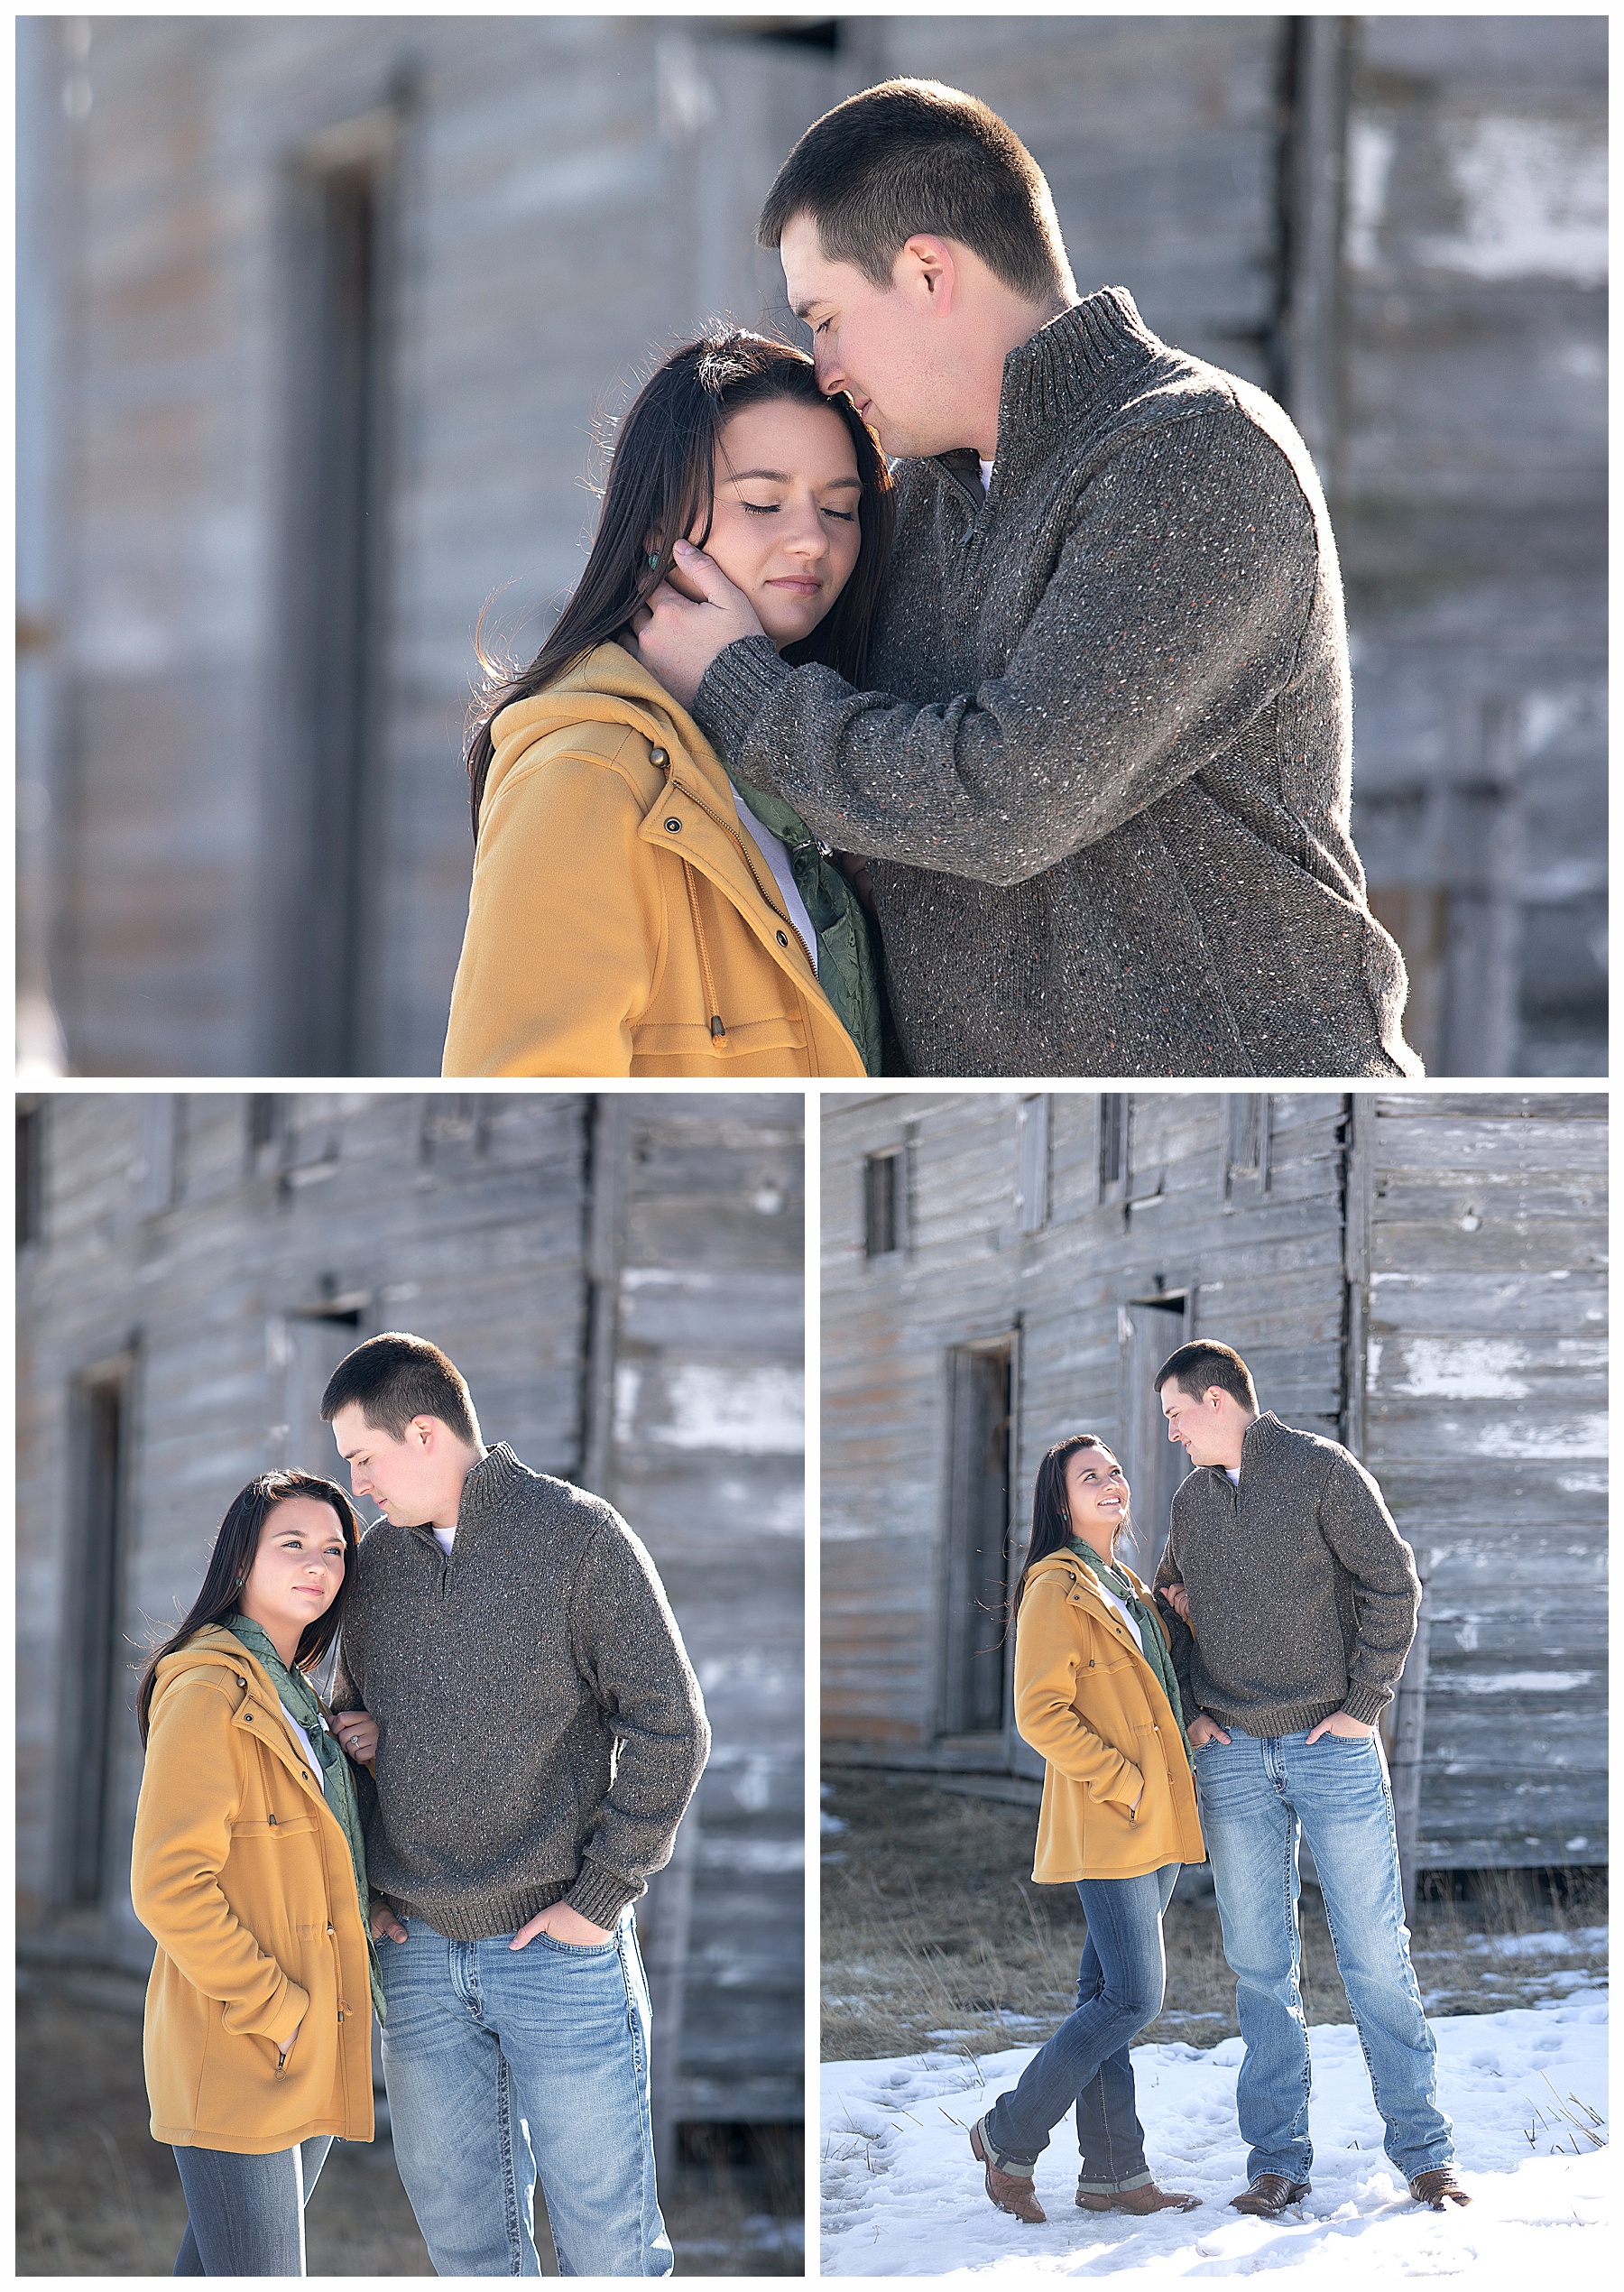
540	1728
1302	1595
1103	778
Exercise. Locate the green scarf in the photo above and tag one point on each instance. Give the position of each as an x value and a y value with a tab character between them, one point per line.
1157	1654
300	1699
847	971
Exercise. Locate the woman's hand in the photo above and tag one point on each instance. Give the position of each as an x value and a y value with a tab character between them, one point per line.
357	1731
1178	1600
382	1920
286	2046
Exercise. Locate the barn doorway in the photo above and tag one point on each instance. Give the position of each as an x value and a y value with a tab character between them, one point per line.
98	1673
1152	1328
981	1391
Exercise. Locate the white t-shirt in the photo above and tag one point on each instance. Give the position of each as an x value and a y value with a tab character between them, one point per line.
444	1537
775	853
303	1741
1111	1600
1233	1472
986	470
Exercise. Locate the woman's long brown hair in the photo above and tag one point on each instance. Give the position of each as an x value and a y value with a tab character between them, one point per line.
1051	1508
235	1546
661	482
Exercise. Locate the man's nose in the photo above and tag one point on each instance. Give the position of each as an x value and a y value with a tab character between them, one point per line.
827	369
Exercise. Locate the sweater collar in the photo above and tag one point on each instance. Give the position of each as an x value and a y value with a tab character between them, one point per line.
1056	374
1257	1438
489	1487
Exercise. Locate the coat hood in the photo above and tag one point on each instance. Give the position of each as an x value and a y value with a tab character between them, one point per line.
609	687
218	1652
1068	1563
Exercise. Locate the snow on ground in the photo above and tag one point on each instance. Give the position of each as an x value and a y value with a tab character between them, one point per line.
903	2196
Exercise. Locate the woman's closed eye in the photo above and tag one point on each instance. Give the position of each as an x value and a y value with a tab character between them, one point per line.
772	509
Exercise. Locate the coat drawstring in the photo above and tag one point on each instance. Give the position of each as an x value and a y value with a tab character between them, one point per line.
717	1030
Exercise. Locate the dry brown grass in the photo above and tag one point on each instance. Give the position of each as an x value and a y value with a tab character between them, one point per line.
96	2196
931	1925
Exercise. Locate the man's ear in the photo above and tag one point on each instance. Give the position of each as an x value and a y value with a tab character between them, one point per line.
928	261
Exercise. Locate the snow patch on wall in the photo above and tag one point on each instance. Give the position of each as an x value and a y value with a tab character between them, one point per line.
1507	1683
1371	143
1460	1368
753	1412
1526	1437
1534	200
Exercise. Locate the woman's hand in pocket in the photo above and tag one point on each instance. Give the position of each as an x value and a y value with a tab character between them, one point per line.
286	2046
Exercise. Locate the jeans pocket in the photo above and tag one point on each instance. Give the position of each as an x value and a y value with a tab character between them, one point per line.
574	1949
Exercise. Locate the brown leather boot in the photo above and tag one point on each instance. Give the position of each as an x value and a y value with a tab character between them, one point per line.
1439	2188
1010	2192
1269	2194
1147	2199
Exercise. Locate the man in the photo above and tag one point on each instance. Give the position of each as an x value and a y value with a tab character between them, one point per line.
540	1732
1299	1599
1103	777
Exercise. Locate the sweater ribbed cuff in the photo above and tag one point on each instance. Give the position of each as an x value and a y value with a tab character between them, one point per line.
599	1896
1365	1704
733	691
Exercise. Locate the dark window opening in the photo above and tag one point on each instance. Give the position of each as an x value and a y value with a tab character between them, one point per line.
981	1395
882	1204
1113	1139
93	1637
264	1118
31	1172
335	546
824	33
1034	1151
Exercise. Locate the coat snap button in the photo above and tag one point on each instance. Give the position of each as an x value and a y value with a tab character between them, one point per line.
329	1929
783	939
658	756
673	826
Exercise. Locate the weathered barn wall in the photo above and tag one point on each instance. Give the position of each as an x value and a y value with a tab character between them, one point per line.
1469	486
1260	1265
618	1277
1417	1276
555	194
1485	1412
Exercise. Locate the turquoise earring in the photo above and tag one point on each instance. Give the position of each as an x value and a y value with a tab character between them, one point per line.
653	560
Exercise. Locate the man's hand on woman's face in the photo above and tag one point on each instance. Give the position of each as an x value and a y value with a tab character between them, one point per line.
677	638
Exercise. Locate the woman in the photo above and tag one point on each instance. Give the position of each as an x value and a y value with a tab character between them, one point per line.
627	915
248	1872
1095	1693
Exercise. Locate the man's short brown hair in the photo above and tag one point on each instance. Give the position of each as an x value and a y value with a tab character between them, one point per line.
1196	1367
911	155
396	1377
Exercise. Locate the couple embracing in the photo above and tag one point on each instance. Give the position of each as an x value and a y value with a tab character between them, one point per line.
968	697
455	1850
1227	1715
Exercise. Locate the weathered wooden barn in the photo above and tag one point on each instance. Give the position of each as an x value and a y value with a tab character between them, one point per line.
1420	1276
317	314
620	1278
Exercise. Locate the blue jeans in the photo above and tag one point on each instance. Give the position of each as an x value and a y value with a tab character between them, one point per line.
505	2064
1085	2064
244	2216
1256	1794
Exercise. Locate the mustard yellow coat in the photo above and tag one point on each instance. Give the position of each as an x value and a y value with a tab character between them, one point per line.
621	920
242	1876
1093	1708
